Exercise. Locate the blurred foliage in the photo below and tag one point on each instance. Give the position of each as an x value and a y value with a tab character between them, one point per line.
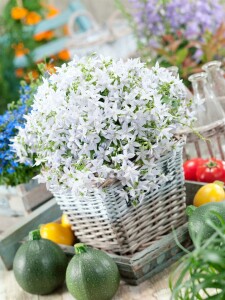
169	47
17	25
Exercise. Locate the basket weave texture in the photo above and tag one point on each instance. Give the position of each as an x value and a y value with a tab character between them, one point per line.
110	224
212	146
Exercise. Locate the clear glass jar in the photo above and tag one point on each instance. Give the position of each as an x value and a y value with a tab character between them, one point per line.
209	113
175	72
216	79
210	121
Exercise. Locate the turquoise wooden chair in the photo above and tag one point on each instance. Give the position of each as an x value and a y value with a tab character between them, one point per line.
51	48
114	38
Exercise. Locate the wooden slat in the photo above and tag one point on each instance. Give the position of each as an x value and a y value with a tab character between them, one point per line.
43	51
197	148
9	241
219	143
83	22
210	148
36	197
191	189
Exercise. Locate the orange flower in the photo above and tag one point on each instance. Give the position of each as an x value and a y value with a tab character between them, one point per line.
20	50
46	35
52	11
50	68
33	74
18	13
19	72
32	18
64	55
54	57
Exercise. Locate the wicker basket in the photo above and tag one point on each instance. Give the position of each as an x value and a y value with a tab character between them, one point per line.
212	146
110	224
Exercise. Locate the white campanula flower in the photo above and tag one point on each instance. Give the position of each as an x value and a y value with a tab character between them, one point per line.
99	119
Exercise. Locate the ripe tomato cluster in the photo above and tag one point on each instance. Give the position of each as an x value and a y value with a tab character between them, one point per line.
204	170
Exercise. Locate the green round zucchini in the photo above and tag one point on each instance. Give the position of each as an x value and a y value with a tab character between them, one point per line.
92	274
39	265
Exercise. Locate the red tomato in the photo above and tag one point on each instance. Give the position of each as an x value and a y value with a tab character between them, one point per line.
190	168
211	170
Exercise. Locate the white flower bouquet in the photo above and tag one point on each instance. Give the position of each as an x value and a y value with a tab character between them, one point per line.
99	119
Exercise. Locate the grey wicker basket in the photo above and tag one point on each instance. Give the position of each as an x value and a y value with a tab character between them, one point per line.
110	224
211	146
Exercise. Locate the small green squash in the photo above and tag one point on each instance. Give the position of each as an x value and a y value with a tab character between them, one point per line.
92	274
39	265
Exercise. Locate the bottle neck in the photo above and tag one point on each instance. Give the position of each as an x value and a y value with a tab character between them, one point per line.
216	81
201	90
213	72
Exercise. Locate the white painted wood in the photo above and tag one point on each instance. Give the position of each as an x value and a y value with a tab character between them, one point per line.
23	198
10	239
154	289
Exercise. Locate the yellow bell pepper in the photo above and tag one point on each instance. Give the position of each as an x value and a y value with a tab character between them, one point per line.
57	233
65	221
211	192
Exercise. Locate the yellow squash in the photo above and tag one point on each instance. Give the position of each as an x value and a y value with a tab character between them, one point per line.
65	221
57	233
212	192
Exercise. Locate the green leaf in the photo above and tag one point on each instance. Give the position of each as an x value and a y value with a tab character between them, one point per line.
181	55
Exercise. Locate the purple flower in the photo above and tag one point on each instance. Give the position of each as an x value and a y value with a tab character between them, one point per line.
193	18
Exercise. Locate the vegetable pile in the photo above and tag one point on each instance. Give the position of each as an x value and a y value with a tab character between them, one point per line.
40	265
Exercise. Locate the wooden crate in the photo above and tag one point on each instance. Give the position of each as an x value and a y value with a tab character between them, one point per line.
141	266
24	198
11	239
134	269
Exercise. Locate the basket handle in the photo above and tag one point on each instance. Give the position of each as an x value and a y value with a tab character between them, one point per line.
116	34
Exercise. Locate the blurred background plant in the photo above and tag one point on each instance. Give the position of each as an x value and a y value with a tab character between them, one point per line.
200	273
178	33
18	23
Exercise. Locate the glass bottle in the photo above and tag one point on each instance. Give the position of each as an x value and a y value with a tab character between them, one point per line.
210	116
216	79
209	113
174	70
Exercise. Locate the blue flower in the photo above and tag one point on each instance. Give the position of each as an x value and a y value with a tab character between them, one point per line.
10	170
14	163
9	124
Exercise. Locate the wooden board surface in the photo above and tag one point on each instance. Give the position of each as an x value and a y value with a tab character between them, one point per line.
10	240
154	289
